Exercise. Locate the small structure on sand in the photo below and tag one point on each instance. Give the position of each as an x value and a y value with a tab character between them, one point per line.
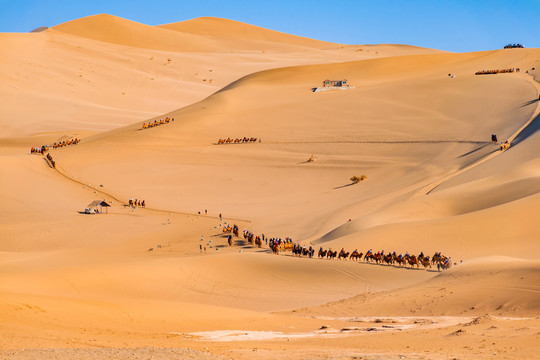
328	84
92	208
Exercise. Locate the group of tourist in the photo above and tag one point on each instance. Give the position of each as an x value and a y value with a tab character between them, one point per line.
504	145
53	163
44	148
157	123
237	140
74	141
513	46
496	71
277	244
228	229
136	203
39	150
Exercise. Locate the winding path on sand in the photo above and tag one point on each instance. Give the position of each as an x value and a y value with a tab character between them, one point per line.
113	197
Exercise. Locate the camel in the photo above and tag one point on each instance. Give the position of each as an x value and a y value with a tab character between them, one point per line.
388	259
412	260
322	253
447	264
343	254
400	260
331	254
425	261
356	255
230	240
369	256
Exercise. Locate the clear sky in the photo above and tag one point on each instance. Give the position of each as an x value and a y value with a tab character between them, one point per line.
466	25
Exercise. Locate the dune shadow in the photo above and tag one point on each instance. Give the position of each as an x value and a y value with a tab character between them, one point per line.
529	131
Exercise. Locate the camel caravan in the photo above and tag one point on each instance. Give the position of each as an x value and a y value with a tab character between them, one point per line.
237	140
275	244
53	163
136	203
39	150
278	245
64	143
157	123
44	148
442	262
497	71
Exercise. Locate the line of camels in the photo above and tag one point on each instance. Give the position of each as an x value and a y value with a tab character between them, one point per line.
157	123
496	71
443	262
278	245
237	140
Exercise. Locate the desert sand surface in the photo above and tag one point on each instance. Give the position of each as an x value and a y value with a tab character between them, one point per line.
161	281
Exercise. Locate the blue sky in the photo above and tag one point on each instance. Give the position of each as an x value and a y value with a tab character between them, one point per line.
468	25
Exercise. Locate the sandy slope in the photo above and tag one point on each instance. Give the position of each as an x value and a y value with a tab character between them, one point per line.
162	282
390	128
100	72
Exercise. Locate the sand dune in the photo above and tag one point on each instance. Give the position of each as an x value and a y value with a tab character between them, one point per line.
235	32
162	281
495	285
116	30
294	123
101	72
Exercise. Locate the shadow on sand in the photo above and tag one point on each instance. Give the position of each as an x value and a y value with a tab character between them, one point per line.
529	131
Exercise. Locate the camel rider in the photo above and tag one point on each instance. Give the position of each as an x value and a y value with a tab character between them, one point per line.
447	261
421	254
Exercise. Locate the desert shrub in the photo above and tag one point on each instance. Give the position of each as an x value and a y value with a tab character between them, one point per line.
356	179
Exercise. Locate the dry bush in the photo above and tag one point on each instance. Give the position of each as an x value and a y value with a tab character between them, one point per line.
356	179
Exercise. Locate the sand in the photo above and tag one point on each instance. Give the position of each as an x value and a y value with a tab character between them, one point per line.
162	282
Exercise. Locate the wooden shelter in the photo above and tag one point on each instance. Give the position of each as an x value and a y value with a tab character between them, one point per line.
99	203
